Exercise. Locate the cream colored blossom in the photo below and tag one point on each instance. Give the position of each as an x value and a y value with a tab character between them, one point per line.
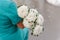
38	30
23	11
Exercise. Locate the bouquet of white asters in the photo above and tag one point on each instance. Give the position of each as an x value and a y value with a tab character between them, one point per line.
31	19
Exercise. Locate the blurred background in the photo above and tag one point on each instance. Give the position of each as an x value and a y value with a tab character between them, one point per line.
51	15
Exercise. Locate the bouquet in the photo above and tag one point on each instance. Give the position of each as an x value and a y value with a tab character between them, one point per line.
31	19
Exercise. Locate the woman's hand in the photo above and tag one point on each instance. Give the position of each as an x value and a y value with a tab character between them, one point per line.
20	24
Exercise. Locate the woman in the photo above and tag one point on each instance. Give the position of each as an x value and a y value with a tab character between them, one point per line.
11	27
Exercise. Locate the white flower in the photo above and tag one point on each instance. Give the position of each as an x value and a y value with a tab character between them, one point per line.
32	15
23	11
40	19
38	25
30	19
37	30
28	24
